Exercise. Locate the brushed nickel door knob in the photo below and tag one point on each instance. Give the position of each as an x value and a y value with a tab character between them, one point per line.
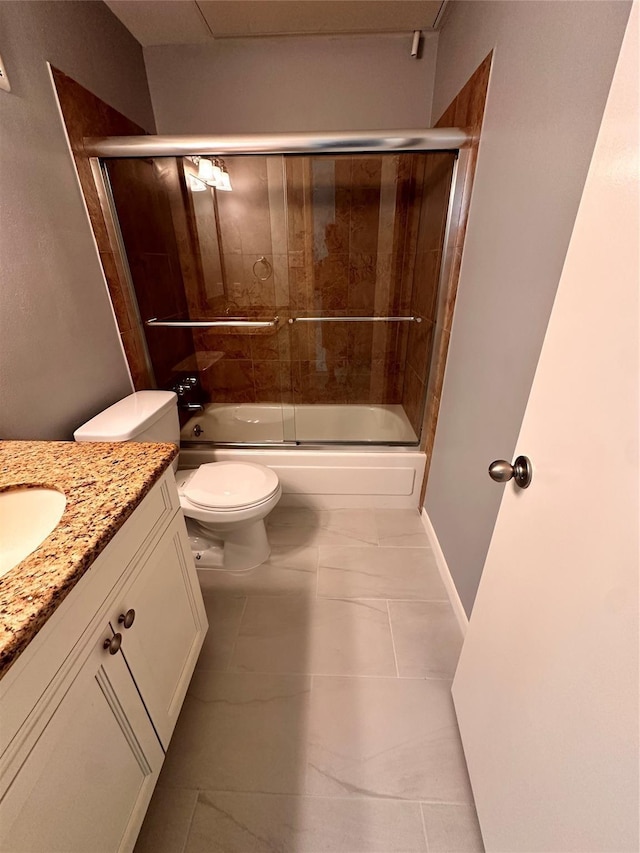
521	471
127	618
113	644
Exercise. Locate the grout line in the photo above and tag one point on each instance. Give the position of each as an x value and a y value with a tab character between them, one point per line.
393	678
424	828
393	642
193	814
349	798
235	642
337	596
343	597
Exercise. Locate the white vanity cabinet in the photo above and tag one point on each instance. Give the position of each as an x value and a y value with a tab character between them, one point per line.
165	634
88	709
89	773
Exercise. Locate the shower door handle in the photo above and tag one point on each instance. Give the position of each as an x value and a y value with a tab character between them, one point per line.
521	471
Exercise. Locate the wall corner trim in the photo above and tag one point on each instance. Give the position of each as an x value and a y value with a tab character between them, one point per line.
445	574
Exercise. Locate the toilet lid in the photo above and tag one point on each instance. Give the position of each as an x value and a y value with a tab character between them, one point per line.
227	485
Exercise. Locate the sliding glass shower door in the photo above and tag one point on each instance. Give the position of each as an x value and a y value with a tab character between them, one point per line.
296	306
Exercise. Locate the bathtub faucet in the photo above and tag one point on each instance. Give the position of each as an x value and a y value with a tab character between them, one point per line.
184	385
187	388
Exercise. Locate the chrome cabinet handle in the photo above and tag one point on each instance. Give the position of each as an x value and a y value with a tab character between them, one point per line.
113	644
127	618
521	471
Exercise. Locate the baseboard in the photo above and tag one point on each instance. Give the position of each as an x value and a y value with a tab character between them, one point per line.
445	574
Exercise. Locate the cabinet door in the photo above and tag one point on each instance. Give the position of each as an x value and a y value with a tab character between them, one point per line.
163	643
85	783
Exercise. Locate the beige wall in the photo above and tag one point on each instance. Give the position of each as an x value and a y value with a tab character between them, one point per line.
291	83
552	68
61	359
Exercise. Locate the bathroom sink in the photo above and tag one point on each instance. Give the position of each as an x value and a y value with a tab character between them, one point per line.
27	517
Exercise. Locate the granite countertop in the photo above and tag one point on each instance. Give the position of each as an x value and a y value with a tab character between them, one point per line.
103	483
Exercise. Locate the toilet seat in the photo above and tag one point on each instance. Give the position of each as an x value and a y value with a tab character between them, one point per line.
229	486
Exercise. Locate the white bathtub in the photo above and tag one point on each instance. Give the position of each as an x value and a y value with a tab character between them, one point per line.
265	423
323	477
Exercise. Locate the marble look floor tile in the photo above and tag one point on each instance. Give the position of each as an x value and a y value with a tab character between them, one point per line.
288	516
342	527
409	573
254	823
331	636
240	732
385	737
167	822
224	614
452	828
290	570
427	638
400	528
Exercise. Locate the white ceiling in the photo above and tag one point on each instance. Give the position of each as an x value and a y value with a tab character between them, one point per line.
199	21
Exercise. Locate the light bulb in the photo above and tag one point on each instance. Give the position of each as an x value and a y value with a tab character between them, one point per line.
217	174
205	170
195	184
224	182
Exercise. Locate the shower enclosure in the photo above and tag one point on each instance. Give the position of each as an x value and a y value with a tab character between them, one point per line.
296	307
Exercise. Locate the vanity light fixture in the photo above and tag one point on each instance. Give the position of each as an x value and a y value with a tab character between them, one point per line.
212	172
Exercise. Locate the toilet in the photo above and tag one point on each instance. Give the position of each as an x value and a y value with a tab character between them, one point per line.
224	503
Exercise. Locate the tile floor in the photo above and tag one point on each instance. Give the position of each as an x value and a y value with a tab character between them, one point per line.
319	717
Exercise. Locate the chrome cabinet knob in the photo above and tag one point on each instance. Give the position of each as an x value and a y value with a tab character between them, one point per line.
521	471
127	618
113	644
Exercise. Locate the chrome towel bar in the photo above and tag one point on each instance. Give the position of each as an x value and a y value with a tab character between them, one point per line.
355	319
227	322
263	324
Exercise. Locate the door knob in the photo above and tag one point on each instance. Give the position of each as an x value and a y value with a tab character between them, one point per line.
521	471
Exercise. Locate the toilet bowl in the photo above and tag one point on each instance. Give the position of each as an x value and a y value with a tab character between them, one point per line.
224	503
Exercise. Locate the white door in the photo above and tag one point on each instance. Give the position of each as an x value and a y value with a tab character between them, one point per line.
546	691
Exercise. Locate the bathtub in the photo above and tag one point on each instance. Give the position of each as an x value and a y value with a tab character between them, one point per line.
265	423
325	477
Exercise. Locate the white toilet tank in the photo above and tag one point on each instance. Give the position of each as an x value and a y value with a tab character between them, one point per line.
143	416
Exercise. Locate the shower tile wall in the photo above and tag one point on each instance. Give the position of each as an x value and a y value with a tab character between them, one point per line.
435	172
142	189
85	114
